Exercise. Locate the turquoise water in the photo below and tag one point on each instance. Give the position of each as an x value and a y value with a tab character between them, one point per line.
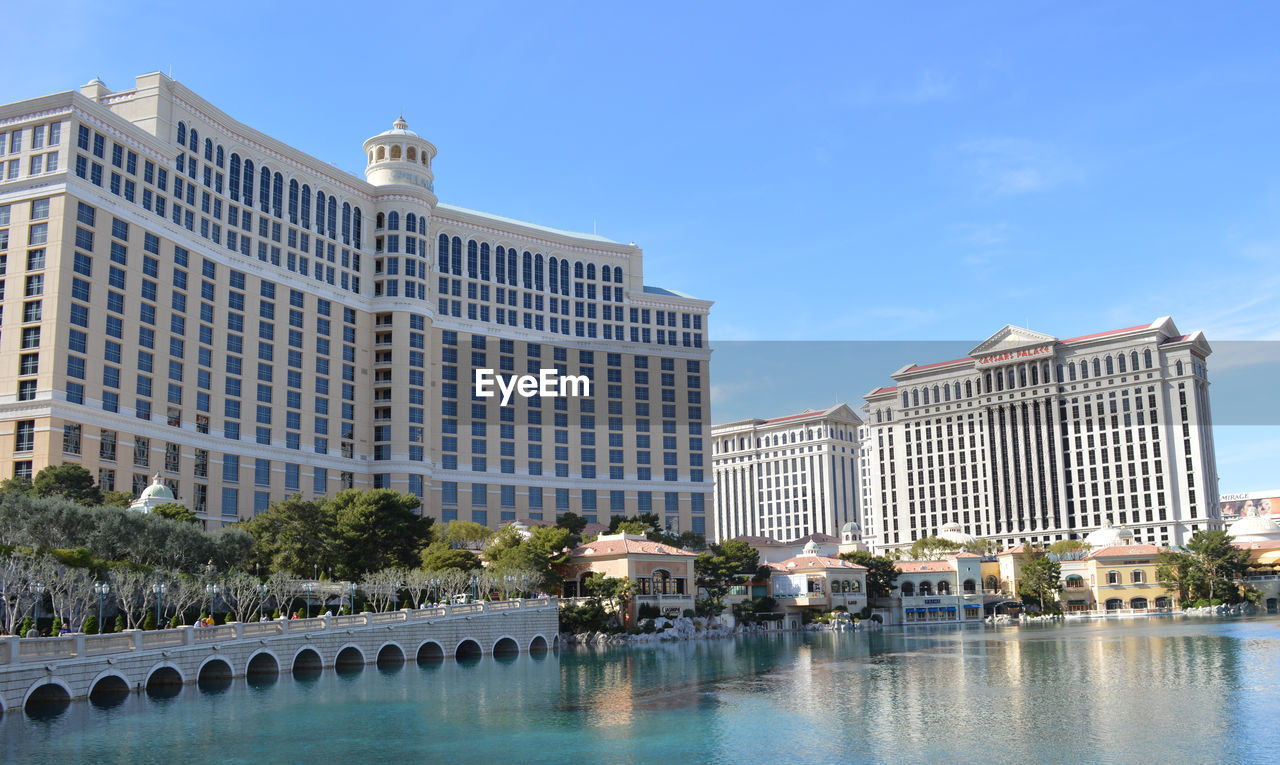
1149	691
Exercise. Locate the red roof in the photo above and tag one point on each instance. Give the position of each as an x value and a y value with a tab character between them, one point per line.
626	546
1108	333
918	566
1178	339
799	416
883	389
810	562
937	364
1124	551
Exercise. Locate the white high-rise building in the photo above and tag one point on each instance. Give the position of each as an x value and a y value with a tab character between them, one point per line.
787	477
1032	439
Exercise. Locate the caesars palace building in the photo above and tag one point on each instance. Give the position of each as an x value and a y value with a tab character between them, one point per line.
1032	439
184	295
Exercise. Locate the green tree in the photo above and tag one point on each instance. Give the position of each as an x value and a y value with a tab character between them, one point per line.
70	481
1176	571
1218	564
633	527
439	556
466	534
721	567
882	574
376	529
984	547
1068	549
613	592
573	522
294	535
1040	579
117	498
933	548
15	485
175	512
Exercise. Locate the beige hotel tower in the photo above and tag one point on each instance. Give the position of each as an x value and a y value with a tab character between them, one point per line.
184	295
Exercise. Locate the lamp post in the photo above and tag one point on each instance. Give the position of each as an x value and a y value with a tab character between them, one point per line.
213	589
524	585
475	585
262	599
103	590
309	588
159	588
38	588
351	595
435	585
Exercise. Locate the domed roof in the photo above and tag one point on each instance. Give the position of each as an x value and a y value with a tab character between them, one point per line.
811	547
851	527
954	532
1254	528
1108	536
156	490
399	127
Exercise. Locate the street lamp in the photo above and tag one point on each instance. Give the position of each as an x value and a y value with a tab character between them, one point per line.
103	590
475	585
38	588
351	588
159	588
213	590
309	588
262	599
524	585
435	584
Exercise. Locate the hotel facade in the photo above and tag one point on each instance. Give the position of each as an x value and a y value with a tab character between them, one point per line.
188	296
787	477
1030	439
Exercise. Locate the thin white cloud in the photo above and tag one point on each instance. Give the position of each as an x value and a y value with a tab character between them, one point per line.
1012	166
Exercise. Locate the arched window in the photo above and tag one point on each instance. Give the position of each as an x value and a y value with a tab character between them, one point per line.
511	266
968	389
395	152
662	582
442	252
382	153
1084	370
333	217
957	391
234	180
527	271
1075	581
577	270
393	221
346	223
182	134
1022	377
358	235
936	399
410	222
1178	368
944	587
500	265
1009	375
411	154
195	140
380	222
422	225
1137	577
277	195
988	381
1138	603
220	156
473	259
908	589
1060	377
915	398
926	588
553	275
538	282
1035	374
1097	368
455	255
484	261
993	584
208	150
591	271
564	279
1113	577
1120	362
1114	604
1111	368
905	400
970	587
247	188
924	398
293	201
306	206
264	189
617	274
320	198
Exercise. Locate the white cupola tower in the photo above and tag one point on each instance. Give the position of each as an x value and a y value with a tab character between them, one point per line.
400	158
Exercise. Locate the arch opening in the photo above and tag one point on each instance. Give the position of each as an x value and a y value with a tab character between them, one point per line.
538	646
263	669
214	677
468	650
47	701
164	683
390	656
109	691
506	650
349	660
307	664
430	653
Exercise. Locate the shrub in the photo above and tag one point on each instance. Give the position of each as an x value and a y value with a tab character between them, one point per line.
149	623
119	626
648	611
24	626
688	613
91	625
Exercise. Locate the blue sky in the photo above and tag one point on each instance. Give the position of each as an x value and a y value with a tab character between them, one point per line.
845	172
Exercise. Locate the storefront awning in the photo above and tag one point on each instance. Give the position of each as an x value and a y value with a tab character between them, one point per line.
932	610
948	608
972	605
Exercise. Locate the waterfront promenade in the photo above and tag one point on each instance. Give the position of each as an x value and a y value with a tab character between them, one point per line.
61	669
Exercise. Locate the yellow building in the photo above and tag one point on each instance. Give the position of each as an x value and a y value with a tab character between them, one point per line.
1119	578
663	574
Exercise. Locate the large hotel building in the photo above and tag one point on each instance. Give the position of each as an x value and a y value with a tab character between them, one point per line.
1032	439
786	477
184	295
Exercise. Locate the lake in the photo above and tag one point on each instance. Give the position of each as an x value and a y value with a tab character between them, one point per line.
1152	690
